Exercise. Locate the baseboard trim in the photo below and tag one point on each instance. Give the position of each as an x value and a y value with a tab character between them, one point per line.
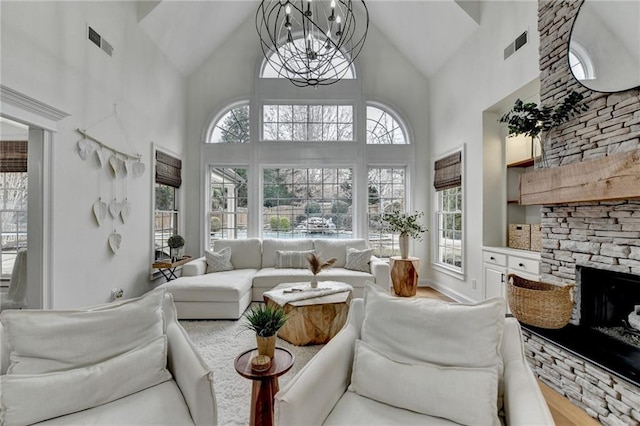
446	291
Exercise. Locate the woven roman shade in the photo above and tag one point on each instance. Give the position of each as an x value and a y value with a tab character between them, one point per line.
448	172
13	156
168	170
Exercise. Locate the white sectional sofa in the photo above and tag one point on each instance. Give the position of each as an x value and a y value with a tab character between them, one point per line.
226	295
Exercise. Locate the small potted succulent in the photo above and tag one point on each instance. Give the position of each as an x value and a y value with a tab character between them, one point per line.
405	224
265	320
176	245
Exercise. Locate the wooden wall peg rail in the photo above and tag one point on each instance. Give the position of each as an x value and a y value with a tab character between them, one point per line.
404	275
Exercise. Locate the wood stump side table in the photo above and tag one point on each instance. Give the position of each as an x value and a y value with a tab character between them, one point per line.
313	321
404	275
265	383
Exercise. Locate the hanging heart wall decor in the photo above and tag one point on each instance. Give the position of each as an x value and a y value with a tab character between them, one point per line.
99	211
115	240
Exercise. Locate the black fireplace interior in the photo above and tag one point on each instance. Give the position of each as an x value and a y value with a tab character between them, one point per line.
606	299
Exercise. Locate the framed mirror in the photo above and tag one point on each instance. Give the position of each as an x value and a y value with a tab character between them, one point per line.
604	48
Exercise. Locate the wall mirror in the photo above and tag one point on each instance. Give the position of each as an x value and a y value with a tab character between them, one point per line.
604	48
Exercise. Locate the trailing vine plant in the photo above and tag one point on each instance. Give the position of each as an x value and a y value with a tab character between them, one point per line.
532	120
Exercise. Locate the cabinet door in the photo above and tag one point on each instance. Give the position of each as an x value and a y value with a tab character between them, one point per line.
494	281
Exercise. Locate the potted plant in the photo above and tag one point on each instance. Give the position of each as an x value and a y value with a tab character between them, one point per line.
405	224
176	244
265	320
316	265
532	120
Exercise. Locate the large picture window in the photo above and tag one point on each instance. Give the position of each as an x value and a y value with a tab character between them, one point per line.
449	212
386	192
307	202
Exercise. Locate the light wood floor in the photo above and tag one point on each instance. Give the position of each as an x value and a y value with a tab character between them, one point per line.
563	411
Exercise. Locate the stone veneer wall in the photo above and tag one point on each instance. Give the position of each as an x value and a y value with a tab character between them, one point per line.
603	396
603	235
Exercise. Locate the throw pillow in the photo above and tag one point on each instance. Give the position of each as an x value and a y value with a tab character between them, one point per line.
429	330
460	394
358	260
32	398
337	248
218	261
44	341
292	259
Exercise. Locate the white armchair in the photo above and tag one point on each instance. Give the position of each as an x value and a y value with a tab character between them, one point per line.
18	285
321	394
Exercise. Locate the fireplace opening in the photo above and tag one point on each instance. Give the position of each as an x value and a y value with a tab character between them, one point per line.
609	302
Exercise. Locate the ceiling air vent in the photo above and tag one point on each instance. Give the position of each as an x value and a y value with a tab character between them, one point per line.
100	42
515	45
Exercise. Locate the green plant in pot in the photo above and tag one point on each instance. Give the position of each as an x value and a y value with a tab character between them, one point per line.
176	244
532	120
265	320
405	224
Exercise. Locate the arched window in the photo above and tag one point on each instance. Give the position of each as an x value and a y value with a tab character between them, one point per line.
232	126
275	67
383	128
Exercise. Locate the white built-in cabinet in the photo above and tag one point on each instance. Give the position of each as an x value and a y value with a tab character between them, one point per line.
498	262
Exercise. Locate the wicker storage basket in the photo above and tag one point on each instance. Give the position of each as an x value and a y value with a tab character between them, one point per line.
539	304
520	236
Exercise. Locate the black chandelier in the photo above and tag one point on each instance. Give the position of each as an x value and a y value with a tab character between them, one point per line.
312	42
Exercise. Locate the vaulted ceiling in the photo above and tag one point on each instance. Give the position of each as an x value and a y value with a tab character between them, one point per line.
427	32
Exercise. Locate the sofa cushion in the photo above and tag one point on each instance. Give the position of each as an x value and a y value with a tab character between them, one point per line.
245	254
354	409
292	259
163	404
429	330
358	260
270	247
30	398
328	248
227	286
218	261
44	341
464	395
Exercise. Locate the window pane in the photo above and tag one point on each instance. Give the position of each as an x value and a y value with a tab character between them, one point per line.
387	191
13	218
228	214
307	122
449	215
383	128
233	127
304	203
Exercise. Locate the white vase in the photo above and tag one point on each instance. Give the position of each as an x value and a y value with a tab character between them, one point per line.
314	281
403	241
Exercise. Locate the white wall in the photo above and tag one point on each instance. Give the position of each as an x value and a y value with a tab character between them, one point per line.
46	55
472	81
385	76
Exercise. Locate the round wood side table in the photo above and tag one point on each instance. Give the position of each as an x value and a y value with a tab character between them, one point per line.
265	383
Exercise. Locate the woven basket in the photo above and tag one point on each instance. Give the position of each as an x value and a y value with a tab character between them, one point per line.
539	304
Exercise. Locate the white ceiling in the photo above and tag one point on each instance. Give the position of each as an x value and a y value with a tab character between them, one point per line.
427	32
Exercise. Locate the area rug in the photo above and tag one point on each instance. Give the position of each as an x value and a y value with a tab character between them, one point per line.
220	342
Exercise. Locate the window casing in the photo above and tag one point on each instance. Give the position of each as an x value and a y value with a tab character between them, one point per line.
449	212
166	212
297	137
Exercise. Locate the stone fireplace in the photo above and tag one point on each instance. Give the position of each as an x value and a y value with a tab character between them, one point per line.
595	245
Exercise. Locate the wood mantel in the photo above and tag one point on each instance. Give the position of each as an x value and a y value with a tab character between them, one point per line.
616	177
